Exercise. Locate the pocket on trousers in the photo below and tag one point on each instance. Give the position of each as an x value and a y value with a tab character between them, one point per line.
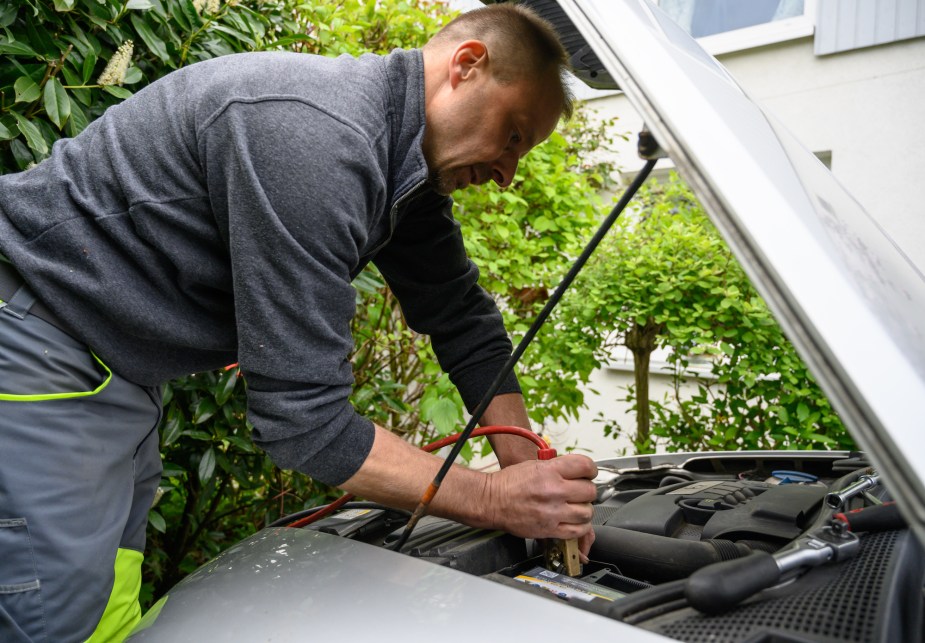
20	595
39	362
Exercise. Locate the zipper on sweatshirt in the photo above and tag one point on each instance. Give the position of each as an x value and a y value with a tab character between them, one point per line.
393	213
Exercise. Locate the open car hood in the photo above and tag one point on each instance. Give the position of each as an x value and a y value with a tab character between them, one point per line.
849	300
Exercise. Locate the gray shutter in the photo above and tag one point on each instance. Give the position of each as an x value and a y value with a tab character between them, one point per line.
842	25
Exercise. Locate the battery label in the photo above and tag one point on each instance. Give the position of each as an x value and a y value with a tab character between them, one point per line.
567	587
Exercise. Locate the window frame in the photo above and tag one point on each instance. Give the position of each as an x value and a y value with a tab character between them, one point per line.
767	33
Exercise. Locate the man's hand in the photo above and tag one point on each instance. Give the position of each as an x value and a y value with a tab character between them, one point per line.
584	546
545	499
509	409
533	499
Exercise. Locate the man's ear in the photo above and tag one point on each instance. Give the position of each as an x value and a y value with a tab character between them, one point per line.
469	59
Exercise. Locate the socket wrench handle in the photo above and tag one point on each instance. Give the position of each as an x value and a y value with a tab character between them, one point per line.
878	518
721	586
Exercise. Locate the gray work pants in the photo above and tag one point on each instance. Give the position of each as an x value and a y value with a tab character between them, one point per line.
79	465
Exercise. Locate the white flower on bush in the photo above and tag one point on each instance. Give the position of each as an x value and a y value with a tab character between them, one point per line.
114	74
210	6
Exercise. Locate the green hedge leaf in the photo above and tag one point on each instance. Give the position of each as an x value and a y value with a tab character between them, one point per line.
207	465
226	386
157	521
26	90
18	49
88	66
205	409
31	132
173	426
21	154
132	76
57	103
78	120
118	92
8	15
154	42
7	129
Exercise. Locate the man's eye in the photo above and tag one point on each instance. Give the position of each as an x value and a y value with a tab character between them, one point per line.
515	138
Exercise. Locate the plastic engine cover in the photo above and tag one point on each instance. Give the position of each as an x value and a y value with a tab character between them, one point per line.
726	509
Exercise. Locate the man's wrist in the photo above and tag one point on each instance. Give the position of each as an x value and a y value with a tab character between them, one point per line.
511	449
466	496
509	410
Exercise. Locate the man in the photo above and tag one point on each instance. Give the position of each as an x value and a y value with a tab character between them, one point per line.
219	215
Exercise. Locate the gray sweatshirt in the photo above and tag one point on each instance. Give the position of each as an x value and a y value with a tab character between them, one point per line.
220	214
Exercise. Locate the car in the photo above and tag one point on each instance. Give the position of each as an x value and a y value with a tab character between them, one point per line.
734	546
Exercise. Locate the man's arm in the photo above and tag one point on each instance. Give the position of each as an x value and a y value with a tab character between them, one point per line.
426	266
532	499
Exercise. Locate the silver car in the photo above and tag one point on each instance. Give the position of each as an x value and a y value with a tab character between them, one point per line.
692	547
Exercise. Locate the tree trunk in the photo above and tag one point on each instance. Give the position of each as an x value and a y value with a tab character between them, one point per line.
641	341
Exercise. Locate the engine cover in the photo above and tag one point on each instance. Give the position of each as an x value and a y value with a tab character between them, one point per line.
723	509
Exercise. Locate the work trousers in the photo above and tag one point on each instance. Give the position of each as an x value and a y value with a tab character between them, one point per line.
79	466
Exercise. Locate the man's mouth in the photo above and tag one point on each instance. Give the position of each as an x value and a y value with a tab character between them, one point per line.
465	179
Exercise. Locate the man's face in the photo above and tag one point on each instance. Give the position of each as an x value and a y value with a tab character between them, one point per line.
482	128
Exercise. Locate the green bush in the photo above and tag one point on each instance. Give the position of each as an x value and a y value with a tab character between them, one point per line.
57	77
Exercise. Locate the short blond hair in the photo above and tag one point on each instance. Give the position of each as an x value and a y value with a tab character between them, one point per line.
522	45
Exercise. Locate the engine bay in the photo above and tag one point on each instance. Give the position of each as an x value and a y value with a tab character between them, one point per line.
672	539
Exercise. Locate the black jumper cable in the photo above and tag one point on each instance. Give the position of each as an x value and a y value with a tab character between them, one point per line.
508	367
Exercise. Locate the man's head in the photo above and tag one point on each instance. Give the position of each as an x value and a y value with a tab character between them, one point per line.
494	83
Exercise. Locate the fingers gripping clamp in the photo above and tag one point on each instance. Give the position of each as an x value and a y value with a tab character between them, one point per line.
560	555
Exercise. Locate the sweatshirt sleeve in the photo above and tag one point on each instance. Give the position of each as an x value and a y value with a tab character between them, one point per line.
426	266
291	189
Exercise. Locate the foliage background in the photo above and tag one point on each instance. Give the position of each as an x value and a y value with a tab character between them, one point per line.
665	279
217	488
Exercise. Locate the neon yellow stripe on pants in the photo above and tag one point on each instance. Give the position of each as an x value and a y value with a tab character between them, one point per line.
122	611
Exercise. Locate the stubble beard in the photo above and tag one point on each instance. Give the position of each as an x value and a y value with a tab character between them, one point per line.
441	183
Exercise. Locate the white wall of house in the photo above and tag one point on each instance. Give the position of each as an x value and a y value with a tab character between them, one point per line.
863	108
603	397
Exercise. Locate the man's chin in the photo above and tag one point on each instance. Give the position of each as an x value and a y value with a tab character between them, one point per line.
442	184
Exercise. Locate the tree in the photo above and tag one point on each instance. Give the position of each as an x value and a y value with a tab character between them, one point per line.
665	278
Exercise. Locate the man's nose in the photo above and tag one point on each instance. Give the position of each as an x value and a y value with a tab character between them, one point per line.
504	169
